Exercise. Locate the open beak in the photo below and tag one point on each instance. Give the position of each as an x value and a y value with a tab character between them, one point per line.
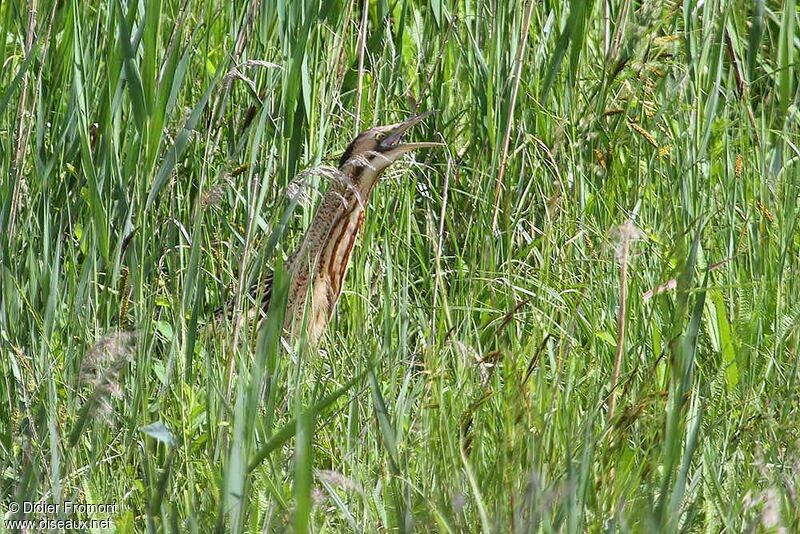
393	141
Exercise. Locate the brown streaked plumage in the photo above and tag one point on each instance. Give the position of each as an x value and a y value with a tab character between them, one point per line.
319	265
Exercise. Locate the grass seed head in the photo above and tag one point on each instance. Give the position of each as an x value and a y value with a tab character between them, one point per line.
213	196
339	480
644	133
622	236
102	367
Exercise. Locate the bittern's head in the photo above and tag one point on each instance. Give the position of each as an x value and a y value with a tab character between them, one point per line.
373	150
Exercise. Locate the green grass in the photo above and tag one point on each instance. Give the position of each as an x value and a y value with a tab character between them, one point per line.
468	381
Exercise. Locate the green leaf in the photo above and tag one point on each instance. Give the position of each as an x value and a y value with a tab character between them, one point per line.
15	83
288	430
303	471
160	432
725	338
573	32
178	147
132	75
754	38
786	67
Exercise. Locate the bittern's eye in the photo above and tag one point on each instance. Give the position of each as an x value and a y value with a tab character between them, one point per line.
380	136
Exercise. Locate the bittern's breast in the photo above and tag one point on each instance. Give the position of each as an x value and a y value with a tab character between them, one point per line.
327	250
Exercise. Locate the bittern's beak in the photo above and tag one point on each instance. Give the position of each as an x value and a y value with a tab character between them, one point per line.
393	141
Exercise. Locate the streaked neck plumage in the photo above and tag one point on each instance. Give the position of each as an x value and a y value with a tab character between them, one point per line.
319	265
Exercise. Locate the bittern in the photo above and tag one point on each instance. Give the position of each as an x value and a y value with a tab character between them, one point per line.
319	265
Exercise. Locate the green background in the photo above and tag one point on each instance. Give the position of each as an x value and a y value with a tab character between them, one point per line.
495	363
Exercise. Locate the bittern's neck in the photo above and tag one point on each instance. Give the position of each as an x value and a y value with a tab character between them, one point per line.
320	264
340	212
359	178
